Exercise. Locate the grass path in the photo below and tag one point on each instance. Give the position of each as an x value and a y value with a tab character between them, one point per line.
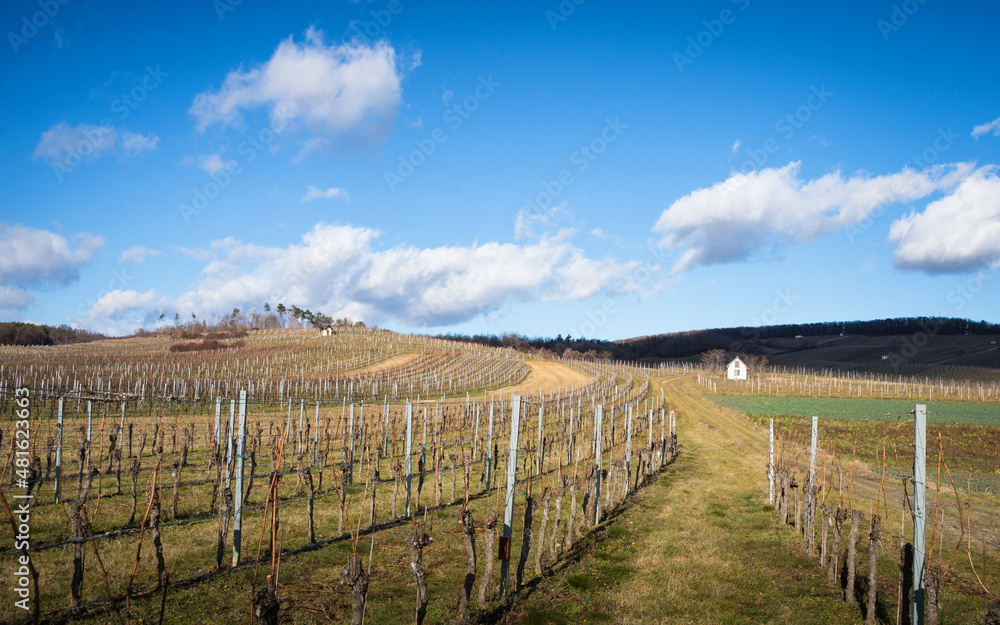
698	547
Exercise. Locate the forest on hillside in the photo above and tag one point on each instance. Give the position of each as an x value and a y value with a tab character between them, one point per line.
680	345
27	334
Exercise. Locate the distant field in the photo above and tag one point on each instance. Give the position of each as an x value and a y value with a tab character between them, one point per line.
966	413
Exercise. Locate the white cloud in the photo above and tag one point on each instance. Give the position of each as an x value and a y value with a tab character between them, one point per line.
133	144
138	254
526	220
336	269
958	232
989	127
736	147
333	193
213	163
121	312
733	219
87	142
331	89
122	301
13	299
30	257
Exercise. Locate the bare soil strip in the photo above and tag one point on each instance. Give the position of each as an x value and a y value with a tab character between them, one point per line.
546	374
401	359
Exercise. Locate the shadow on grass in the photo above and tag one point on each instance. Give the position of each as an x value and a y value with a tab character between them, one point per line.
607	530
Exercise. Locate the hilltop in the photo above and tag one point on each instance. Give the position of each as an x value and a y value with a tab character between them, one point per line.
946	347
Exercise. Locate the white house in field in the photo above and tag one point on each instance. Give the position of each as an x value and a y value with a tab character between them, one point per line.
737	369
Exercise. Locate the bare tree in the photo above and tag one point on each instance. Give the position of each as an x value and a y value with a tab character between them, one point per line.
714	358
755	362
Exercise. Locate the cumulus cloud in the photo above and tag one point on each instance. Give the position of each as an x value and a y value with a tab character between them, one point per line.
122	301
992	127
333	193
138	254
121	312
13	299
958	232
70	145
332	89
31	257
338	269
731	220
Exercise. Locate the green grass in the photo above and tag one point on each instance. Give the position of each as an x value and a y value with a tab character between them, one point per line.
712	558
700	546
866	429
967	413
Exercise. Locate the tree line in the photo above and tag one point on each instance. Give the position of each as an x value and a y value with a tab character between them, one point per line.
282	317
25	334
744	339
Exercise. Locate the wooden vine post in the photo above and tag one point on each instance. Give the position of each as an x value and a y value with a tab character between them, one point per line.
770	465
811	490
598	452
539	452
218	424
490	460
59	437
628	449
508	515
238	493
409	454
919	510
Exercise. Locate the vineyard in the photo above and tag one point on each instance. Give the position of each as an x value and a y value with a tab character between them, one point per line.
355	364
779	382
864	472
966	413
282	476
186	485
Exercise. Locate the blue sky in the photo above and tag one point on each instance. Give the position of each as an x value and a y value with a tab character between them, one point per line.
586	168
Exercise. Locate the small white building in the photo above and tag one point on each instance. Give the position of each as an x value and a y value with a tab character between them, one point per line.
737	369
326	331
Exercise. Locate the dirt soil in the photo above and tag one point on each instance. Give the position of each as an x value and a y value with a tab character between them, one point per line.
546	374
401	359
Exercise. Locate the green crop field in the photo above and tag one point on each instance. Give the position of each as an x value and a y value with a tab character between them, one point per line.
964	413
874	431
